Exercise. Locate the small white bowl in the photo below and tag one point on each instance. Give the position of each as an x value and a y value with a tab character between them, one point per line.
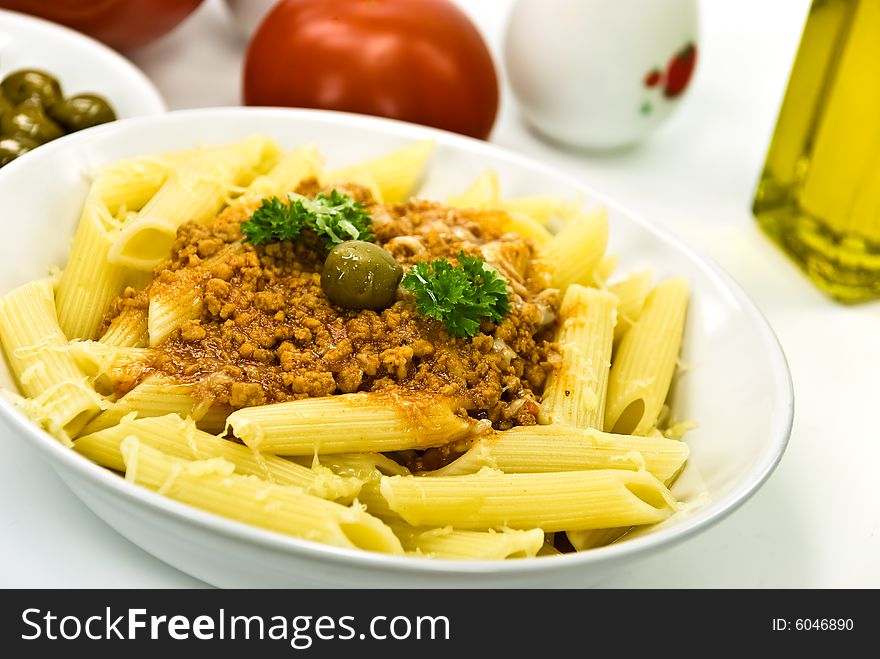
738	389
81	64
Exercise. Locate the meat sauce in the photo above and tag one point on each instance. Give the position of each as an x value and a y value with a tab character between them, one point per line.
265	331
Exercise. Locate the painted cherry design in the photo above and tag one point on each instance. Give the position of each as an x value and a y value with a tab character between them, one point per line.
654	76
678	72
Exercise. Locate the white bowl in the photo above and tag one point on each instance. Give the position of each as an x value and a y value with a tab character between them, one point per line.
739	389
81	64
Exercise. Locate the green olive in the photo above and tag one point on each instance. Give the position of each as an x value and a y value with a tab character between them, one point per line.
5	105
30	83
12	147
29	119
82	111
360	275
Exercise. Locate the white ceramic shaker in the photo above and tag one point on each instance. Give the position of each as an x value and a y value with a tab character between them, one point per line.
600	74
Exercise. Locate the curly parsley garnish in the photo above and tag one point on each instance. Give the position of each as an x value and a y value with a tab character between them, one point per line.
333	218
459	295
273	221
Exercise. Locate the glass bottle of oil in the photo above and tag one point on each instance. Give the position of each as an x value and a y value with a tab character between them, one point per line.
819	194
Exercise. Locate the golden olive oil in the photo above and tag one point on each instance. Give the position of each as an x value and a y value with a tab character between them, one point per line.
819	194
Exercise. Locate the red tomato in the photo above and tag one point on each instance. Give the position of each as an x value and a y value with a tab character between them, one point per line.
121	24
417	60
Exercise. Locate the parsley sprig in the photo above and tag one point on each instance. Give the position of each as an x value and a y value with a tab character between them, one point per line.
459	295
333	218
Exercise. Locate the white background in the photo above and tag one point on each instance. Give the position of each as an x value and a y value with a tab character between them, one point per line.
815	523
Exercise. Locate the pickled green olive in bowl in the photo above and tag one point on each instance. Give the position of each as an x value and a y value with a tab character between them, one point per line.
5	105
360	275
29	119
13	147
28	84
33	111
82	111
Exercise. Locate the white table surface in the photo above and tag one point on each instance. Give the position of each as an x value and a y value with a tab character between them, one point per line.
814	524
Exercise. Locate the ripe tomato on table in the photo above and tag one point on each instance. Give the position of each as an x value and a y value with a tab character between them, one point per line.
416	60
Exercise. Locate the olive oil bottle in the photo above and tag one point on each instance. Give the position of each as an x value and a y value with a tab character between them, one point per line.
819	193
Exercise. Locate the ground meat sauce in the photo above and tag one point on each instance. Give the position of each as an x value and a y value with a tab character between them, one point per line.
267	333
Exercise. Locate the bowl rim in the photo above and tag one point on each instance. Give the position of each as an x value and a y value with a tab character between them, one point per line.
140	85
777	440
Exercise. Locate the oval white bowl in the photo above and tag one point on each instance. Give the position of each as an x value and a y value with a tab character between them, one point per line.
738	387
80	63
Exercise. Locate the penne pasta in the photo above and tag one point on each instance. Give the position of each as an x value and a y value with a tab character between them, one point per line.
179	438
157	396
575	393
539	209
212	486
524	225
194	192
632	293
578	249
293	168
396	173
541	449
169	309
559	501
592	538
482	193
452	543
40	359
107	366
645	361
605	269
346	423
130	329
359	465
89	283
127	186
376	504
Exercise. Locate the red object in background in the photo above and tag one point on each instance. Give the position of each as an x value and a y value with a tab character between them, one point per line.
121	24
416	60
679	70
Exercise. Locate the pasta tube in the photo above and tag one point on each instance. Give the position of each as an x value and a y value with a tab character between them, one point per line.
195	192
645	361
347	423
575	393
129	329
578	248
89	283
128	185
396	173
158	396
211	485
293	168
40	359
560	501
632	293
593	538
452	543
540	449
482	193
180	438
106	366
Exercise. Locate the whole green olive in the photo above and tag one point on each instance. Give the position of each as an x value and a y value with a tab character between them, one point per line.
360	275
29	119
31	83
82	111
12	147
